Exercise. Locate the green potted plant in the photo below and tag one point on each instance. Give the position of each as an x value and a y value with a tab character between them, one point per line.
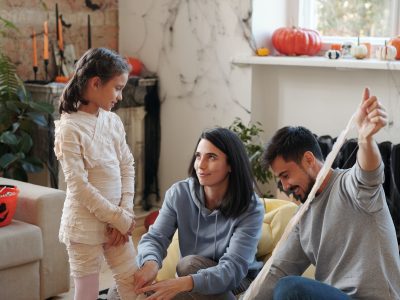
19	116
250	136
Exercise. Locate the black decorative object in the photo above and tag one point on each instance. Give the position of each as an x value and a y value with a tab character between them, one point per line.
91	5
143	91
152	145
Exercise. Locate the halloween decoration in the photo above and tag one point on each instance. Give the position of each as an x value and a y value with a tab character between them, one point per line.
336	46
8	203
359	51
333	54
296	41
136	65
386	52
262	51
346	50
395	42
92	6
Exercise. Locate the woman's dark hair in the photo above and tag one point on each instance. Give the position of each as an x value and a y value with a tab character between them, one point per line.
100	62
291	143
240	186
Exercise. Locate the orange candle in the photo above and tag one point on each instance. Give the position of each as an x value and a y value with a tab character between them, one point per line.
60	36
34	48
46	42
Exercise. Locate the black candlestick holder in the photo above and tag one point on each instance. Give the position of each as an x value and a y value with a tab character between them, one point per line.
46	72
35	69
60	70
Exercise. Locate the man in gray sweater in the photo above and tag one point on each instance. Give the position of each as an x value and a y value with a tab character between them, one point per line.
347	233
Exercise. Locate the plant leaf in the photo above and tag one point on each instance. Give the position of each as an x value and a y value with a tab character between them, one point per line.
8	138
12	105
33	165
7	159
38	118
19	173
25	143
42	107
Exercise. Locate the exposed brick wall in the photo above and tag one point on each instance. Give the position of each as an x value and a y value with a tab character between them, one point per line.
28	15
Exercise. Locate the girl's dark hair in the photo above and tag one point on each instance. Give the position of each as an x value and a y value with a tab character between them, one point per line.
291	143
240	186
100	62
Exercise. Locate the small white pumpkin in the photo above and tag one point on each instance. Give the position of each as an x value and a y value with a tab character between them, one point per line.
386	53
333	54
359	51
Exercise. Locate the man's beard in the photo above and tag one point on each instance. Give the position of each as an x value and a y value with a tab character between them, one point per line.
311	182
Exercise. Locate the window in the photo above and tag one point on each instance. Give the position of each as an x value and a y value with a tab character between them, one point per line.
338	19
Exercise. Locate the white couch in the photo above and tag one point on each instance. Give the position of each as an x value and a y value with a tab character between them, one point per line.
33	263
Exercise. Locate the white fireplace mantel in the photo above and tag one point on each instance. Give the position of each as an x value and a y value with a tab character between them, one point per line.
318	61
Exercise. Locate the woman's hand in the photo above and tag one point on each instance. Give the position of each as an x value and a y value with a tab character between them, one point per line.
168	289
145	275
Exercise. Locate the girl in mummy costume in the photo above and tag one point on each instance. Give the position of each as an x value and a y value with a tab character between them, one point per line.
98	166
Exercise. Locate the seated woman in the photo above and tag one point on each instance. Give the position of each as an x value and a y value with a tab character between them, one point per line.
219	219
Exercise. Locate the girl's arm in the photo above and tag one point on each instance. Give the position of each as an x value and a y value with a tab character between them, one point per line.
127	170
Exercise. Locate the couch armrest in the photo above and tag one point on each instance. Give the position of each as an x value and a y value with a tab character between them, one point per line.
42	206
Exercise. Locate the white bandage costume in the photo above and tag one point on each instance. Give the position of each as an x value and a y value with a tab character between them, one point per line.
99	172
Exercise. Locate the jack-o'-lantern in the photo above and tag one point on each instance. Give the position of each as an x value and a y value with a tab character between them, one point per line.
8	203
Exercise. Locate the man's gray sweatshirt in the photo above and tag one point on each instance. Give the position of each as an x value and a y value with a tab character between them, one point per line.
348	234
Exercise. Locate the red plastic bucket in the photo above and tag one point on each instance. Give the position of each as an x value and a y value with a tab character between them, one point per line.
8	203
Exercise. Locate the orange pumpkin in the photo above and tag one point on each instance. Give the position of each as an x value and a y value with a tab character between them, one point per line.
395	42
61	79
296	41
136	65
8	203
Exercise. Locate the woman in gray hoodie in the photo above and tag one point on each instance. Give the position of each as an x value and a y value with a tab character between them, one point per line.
219	218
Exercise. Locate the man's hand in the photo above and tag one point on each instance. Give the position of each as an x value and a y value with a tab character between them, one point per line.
168	289
371	117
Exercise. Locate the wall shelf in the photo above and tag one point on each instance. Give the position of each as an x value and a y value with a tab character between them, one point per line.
317	61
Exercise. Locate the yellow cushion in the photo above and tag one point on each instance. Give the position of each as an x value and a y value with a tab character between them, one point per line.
278	214
168	269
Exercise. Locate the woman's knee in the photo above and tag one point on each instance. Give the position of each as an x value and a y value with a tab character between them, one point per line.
192	263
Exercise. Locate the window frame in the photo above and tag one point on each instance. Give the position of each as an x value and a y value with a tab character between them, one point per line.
302	10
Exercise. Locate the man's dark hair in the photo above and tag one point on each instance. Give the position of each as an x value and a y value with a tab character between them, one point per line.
291	142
